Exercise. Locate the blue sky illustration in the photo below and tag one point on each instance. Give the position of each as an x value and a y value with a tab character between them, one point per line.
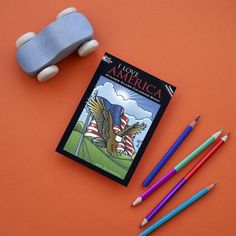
143	102
137	108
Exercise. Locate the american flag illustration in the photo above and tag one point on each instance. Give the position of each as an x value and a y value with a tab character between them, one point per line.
119	123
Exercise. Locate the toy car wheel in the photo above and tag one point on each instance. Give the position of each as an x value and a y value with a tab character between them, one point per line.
88	48
47	73
66	11
24	39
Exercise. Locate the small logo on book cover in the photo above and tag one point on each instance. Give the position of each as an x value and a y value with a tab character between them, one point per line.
107	59
169	89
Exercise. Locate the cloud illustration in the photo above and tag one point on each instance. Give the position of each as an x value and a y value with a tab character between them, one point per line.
132	110
131	107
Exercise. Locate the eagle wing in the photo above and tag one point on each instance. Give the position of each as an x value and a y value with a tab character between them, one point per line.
101	115
133	129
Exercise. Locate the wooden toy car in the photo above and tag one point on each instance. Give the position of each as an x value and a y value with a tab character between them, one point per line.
38	54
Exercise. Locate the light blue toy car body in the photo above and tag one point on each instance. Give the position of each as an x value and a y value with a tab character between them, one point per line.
55	42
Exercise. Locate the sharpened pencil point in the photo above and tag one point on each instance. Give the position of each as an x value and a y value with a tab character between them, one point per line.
224	138
145	221
197	118
195	121
211	186
137	201
217	134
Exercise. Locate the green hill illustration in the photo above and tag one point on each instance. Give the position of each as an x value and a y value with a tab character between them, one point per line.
99	157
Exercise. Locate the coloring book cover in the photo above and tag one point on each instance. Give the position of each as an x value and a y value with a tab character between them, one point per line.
115	119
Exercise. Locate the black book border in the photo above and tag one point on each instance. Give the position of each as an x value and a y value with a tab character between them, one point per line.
79	109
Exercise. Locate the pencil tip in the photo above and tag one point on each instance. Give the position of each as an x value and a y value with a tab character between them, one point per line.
217	134
224	138
195	121
145	221
197	118
137	201
211	186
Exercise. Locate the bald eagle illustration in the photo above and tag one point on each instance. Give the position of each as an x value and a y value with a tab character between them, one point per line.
108	138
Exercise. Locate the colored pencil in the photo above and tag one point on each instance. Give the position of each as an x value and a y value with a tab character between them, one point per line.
177	210
170	152
184	180
178	167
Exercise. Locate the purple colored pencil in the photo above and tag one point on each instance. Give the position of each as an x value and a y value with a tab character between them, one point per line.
185	179
154	187
178	167
164	201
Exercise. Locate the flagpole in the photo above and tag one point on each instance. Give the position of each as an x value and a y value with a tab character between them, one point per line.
84	128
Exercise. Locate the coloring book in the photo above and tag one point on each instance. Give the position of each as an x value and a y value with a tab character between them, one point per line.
115	119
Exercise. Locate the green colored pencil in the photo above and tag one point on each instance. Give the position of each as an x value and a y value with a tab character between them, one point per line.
178	167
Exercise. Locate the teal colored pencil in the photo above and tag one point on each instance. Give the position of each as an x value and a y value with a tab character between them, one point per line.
177	210
177	168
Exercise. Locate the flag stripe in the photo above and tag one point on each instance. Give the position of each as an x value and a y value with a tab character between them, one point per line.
130	153
93	128
121	145
129	148
93	121
116	128
92	131
127	141
91	135
129	138
93	125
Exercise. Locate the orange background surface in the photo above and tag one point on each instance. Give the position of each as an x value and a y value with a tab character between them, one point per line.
190	44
